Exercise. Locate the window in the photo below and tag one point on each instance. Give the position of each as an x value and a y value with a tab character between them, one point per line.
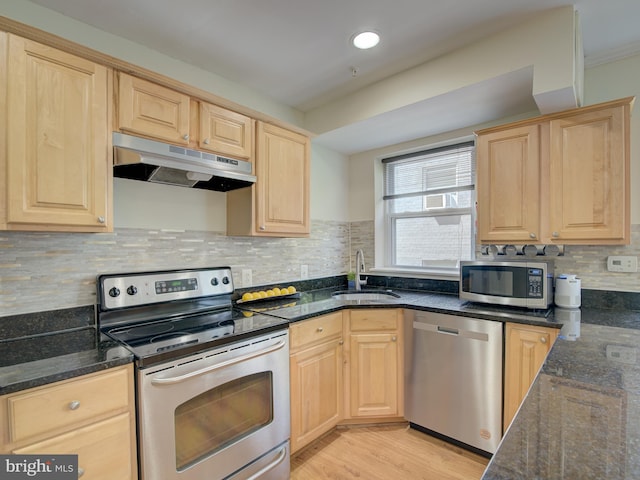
429	197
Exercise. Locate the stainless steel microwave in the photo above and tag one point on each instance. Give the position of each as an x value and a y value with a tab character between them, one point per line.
518	283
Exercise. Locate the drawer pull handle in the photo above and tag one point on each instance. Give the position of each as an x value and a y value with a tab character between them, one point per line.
543	340
393	339
320	329
80	471
74	405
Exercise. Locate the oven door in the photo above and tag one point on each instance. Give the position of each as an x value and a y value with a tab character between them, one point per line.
221	413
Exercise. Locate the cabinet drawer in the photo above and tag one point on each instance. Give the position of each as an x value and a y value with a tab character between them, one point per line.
315	329
68	404
365	320
104	448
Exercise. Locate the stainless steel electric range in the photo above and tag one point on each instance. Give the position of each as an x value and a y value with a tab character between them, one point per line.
212	387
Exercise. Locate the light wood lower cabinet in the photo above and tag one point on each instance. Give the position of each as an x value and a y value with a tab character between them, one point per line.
316	377
526	347
374	372
92	416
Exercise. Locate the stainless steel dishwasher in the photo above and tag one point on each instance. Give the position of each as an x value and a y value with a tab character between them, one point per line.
453	380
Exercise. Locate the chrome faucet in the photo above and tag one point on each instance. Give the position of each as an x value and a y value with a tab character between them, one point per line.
360	269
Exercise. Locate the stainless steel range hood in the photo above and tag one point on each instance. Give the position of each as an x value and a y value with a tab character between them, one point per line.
150	161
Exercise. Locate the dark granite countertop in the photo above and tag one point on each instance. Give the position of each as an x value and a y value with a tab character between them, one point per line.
42	348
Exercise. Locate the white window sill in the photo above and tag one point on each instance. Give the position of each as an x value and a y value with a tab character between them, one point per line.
433	274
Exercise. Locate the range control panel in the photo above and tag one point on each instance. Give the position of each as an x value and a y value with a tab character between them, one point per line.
134	289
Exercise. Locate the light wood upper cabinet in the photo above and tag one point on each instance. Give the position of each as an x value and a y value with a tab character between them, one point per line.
145	108
562	178
225	132
56	156
374	372
316	377
589	176
508	170
278	204
164	114
526	347
92	416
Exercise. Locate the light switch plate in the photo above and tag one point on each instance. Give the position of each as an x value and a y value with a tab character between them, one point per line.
622	263
304	271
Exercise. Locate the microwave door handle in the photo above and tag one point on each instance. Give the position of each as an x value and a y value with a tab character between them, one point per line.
217	366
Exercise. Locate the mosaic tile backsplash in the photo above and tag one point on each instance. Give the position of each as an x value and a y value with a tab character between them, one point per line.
49	271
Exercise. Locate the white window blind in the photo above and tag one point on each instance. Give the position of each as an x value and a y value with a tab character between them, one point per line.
428	206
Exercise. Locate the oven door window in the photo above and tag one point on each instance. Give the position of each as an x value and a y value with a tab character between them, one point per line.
221	416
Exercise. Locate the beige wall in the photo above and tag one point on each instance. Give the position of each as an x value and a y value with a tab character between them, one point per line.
65	27
605	82
545	42
616	79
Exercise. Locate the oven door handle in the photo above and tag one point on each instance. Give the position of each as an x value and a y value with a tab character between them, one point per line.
217	366
281	456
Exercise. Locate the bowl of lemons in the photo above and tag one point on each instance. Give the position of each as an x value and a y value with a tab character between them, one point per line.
271	294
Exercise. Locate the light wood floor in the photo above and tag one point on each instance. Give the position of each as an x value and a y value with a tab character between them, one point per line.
394	452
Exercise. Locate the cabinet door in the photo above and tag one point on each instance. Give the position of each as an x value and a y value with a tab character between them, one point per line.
282	189
225	132
526	348
316	392
151	110
589	177
374	375
508	189
104	449
58	156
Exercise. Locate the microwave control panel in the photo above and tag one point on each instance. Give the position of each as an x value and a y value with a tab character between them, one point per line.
536	284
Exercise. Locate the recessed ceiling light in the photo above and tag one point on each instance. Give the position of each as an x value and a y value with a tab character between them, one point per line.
366	40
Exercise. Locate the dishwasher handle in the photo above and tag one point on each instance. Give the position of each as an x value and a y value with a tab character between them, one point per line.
447	330
430	327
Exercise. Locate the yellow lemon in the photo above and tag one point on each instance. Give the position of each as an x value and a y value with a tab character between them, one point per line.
276	291
247	314
262	294
291	290
270	293
247	296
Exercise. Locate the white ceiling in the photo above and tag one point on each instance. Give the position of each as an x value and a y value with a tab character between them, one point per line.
298	51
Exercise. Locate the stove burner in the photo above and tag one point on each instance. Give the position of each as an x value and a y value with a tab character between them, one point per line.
148	330
167	336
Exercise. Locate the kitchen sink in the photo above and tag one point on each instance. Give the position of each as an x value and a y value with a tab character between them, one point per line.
365	295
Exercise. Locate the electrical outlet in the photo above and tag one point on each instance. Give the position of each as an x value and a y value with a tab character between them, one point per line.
304	271
247	281
622	263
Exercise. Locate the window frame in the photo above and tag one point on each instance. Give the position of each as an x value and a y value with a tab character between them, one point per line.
389	219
